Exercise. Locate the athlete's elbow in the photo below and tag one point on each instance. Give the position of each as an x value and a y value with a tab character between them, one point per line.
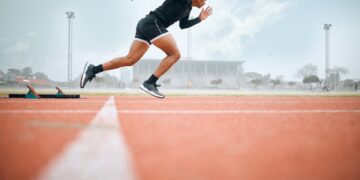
182	26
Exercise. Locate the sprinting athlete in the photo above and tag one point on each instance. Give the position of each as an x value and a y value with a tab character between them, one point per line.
152	30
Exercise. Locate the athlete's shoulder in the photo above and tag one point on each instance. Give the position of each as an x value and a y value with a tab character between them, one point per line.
184	1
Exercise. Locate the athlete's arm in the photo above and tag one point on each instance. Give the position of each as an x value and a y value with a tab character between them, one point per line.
186	22
204	14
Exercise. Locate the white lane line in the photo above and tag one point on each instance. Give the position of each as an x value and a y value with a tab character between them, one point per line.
50	111
51	101
96	153
183	102
149	111
232	111
236	102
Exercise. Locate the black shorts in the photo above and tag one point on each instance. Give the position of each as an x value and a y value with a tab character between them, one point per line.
149	29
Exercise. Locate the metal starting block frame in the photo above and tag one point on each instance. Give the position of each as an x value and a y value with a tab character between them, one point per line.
32	94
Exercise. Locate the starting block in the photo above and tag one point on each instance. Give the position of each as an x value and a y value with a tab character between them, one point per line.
32	94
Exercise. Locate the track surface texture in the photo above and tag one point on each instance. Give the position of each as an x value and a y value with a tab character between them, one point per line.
181	137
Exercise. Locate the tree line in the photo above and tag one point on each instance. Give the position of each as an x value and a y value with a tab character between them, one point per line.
25	73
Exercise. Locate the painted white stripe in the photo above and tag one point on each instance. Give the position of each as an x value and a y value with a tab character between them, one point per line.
96	153
234	102
149	111
49	101
5	102
46	111
232	111
157	37
141	40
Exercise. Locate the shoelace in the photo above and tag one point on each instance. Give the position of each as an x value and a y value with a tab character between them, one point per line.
156	86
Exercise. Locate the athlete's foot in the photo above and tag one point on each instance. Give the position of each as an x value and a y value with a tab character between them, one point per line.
87	74
152	89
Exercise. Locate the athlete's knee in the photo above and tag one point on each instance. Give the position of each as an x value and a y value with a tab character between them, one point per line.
131	60
175	55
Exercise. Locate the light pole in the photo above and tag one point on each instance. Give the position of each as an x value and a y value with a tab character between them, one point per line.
269	59
327	50
188	59
70	16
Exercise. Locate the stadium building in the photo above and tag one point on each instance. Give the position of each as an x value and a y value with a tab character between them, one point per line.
192	74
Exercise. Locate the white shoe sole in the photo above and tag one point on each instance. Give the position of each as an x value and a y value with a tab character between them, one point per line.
83	75
150	92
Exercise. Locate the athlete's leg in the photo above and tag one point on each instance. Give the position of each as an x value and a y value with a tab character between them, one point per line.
168	45
137	50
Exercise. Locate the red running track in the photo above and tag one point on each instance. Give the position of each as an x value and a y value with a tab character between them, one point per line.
194	137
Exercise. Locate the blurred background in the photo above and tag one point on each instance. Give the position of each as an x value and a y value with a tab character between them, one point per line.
271	45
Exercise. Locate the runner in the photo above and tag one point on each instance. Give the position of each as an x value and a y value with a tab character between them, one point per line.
152	30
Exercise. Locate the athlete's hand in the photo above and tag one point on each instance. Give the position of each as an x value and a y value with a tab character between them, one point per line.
205	13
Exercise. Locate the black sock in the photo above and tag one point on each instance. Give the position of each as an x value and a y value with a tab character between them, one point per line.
152	79
98	69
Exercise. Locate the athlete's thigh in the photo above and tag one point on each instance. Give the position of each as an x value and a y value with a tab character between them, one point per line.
167	44
137	49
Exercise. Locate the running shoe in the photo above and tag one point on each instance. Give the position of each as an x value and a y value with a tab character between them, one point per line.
152	89
87	74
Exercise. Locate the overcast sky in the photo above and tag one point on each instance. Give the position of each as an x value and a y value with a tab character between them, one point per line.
277	36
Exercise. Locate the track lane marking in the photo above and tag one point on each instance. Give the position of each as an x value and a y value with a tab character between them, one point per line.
150	111
50	111
233	111
188	102
95	153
